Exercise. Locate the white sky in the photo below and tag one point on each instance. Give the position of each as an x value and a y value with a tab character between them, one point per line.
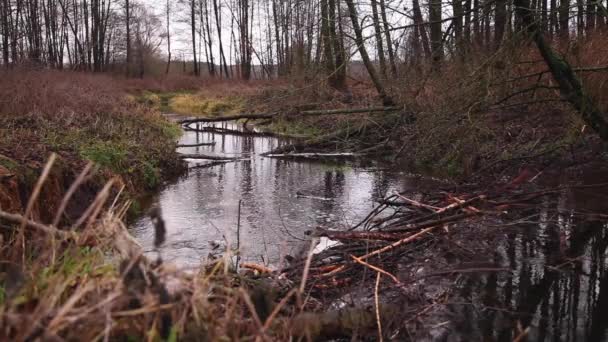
181	44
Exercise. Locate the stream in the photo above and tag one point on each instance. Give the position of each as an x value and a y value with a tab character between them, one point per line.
280	200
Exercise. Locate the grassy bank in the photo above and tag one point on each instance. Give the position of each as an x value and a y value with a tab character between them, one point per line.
82	118
209	98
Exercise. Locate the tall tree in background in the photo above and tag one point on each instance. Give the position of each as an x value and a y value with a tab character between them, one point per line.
436	32
337	38
354	17
128	35
218	22
193	31
389	41
379	44
500	21
245	39
168	34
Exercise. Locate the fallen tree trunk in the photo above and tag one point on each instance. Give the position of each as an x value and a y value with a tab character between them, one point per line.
342	135
250	116
313	155
350	111
229	118
224	131
196	145
206	157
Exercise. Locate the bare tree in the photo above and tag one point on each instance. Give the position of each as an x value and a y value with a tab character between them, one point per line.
386	100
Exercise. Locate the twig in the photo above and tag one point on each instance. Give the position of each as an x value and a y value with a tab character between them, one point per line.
205	157
313	244
32	201
37	188
238	237
196	145
417	204
18	219
66	199
377	269
377	302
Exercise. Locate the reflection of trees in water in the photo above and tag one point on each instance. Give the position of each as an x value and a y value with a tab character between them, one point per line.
558	286
380	185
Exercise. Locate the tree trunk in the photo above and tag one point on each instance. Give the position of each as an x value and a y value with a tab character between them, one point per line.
168	13
570	86
193	31
457	24
379	43
128	23
419	22
328	55
436	32
500	22
564	19
386	100
389	41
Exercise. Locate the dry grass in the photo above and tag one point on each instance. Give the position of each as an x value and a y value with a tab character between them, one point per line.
83	117
475	112
92	283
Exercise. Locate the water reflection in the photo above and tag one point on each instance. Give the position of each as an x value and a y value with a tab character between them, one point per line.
558	286
281	200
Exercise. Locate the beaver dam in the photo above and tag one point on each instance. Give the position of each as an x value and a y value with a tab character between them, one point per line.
391	254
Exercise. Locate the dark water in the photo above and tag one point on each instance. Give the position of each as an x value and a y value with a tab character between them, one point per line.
557	286
280	200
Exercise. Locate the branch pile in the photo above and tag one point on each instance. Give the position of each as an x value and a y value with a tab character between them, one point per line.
400	224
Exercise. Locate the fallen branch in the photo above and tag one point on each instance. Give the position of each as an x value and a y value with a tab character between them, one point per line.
432	223
229	118
417	204
18	219
196	145
350	111
206	157
213	163
338	235
251	116
224	131
313	155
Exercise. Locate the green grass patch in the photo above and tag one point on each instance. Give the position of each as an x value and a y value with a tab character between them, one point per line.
106	154
295	127
194	104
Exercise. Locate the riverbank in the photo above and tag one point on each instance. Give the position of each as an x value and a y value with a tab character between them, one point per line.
459	141
82	118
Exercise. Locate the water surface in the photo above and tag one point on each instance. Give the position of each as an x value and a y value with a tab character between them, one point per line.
280	200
